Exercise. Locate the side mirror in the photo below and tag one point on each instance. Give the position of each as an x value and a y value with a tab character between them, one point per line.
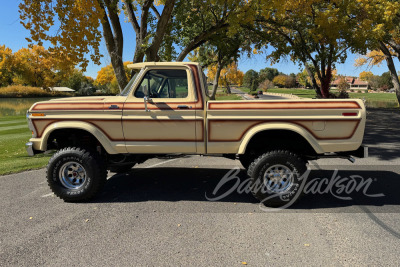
146	99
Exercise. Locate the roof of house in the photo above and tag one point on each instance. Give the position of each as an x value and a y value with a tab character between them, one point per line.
61	89
350	80
360	82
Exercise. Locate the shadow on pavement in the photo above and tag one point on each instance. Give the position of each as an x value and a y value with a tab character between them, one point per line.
192	184
382	130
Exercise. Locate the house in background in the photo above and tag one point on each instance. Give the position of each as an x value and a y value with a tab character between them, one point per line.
61	89
354	83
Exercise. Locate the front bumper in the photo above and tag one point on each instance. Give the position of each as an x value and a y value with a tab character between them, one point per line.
29	149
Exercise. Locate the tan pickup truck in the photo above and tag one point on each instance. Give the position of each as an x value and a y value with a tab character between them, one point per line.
164	111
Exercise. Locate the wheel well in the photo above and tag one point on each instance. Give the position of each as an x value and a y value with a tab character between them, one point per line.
280	139
66	137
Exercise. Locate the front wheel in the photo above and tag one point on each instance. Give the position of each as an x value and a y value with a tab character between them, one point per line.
276	178
75	174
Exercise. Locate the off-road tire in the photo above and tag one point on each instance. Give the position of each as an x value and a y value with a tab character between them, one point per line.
94	178
279	160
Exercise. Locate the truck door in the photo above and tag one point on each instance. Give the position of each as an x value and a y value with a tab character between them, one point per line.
166	122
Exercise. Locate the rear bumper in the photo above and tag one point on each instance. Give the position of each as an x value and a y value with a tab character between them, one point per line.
361	152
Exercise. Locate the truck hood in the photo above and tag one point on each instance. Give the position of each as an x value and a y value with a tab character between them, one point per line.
79	99
75	103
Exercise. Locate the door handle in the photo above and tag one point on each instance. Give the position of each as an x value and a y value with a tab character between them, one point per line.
113	107
184	107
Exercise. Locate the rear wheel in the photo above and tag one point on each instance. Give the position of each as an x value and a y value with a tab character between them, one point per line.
75	174
276	177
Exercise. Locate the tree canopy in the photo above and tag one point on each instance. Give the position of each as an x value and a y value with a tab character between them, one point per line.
316	34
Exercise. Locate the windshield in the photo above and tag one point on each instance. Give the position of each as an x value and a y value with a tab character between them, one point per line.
129	86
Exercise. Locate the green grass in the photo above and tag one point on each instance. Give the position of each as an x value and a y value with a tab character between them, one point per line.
14	133
381	100
307	93
223	96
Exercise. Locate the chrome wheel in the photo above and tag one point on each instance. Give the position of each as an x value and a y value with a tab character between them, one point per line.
278	178
72	175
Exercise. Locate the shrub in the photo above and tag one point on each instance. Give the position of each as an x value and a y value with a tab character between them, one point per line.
265	85
284	81
384	88
342	94
280	80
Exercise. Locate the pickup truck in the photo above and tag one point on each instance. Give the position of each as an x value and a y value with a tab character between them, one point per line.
164	111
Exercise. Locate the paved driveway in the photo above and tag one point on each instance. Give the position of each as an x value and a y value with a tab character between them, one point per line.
159	215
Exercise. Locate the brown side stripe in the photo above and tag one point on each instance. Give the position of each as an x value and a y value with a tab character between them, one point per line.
297	122
284	105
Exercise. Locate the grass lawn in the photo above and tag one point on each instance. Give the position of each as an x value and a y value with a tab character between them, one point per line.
14	133
223	96
381	100
307	93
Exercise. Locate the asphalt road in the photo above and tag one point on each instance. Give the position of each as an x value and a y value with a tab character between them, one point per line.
158	215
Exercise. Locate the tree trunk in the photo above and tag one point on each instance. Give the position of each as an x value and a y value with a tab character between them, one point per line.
114	42
162	26
200	39
228	87
392	69
325	82
140	30
216	79
313	81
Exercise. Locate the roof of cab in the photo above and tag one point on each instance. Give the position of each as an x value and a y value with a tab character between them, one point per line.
151	64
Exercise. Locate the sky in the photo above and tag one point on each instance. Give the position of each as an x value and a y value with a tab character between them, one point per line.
13	35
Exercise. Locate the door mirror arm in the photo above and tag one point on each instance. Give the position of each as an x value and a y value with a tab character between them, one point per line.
146	99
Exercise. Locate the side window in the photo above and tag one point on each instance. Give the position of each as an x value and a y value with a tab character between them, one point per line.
164	84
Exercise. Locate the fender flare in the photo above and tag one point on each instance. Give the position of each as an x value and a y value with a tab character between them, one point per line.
279	126
97	133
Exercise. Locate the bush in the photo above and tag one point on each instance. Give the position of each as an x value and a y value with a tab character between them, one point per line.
280	81
86	91
342	94
384	88
284	81
27	91
265	85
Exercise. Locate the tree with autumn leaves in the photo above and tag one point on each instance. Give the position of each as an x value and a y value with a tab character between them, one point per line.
6	66
33	66
106	79
37	67
229	76
158	25
314	33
